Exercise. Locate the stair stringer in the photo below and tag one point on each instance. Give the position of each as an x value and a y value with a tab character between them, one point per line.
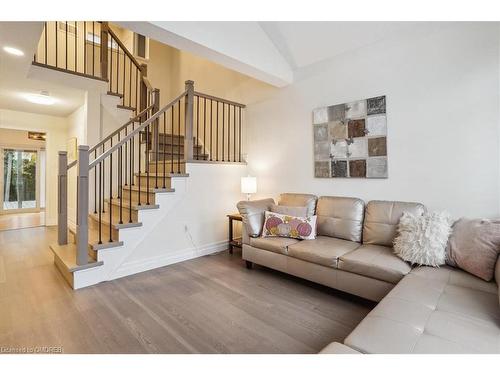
114	258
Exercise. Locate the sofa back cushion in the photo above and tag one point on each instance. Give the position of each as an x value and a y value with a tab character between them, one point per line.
340	217
252	213
382	219
299	200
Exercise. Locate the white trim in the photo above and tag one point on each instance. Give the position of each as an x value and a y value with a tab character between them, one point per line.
142	265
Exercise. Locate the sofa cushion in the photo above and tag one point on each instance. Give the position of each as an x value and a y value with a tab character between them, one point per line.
252	213
378	262
289	210
275	244
382	219
298	200
433	310
340	217
323	250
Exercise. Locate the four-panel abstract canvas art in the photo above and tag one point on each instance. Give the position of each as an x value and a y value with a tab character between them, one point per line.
350	140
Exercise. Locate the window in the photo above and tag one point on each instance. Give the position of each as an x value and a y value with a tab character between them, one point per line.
141	46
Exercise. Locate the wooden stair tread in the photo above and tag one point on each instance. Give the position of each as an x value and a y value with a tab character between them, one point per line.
94	240
151	189
135	205
115	225
161	174
112	93
66	254
120	106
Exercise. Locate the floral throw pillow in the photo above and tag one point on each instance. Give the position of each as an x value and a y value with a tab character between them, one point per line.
278	225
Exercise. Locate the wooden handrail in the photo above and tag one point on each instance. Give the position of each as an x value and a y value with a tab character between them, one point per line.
136	63
135	131
111	135
214	98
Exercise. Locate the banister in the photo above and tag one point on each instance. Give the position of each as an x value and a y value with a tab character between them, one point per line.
221	100
112	134
72	164
147	83
117	40
136	131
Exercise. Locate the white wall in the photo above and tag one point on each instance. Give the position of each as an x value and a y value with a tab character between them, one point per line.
76	128
55	127
442	88
198	221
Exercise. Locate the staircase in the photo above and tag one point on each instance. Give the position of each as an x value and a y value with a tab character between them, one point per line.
134	175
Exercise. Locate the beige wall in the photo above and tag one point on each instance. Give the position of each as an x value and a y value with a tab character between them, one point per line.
18	138
55	127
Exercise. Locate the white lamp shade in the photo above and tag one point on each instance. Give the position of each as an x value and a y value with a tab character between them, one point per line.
248	185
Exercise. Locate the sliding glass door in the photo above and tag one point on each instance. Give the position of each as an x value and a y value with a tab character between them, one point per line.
19	180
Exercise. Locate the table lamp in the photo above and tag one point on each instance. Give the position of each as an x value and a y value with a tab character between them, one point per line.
248	186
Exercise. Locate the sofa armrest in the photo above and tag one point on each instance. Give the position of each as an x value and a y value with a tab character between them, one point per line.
338	348
252	213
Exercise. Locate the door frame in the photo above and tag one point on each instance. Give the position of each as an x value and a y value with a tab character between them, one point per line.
3	147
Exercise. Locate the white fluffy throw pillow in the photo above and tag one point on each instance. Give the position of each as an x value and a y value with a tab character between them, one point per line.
422	239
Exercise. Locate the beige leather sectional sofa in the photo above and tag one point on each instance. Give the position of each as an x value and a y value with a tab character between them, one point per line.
420	310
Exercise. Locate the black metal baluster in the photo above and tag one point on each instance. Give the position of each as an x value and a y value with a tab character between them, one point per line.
228	132
126	161
197	126
156	126
76	49
239	148
100	192
120	177
140	167
111	193
131	164
123	87
93	48
137	109
217	137
111	66
179	137
103	180
66	48
223	125
95	184
211	125
118	70
84	47
45	43
163	148
130	85
172	141
234	127
57	60
147	164
204	127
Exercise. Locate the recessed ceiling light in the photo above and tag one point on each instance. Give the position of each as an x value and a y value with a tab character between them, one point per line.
13	51
43	98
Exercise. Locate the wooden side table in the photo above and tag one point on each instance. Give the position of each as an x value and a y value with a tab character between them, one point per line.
232	241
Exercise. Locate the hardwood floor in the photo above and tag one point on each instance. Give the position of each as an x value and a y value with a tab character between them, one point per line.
211	304
22	220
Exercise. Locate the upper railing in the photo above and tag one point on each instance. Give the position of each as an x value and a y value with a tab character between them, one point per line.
91	49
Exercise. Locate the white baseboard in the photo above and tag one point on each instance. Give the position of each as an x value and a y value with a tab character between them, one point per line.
133	267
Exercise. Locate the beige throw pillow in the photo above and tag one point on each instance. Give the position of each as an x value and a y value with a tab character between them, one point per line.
474	246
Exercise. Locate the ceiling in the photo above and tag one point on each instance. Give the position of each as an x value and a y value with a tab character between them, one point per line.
305	43
14	70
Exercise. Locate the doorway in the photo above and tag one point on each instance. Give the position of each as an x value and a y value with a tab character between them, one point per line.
21	174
